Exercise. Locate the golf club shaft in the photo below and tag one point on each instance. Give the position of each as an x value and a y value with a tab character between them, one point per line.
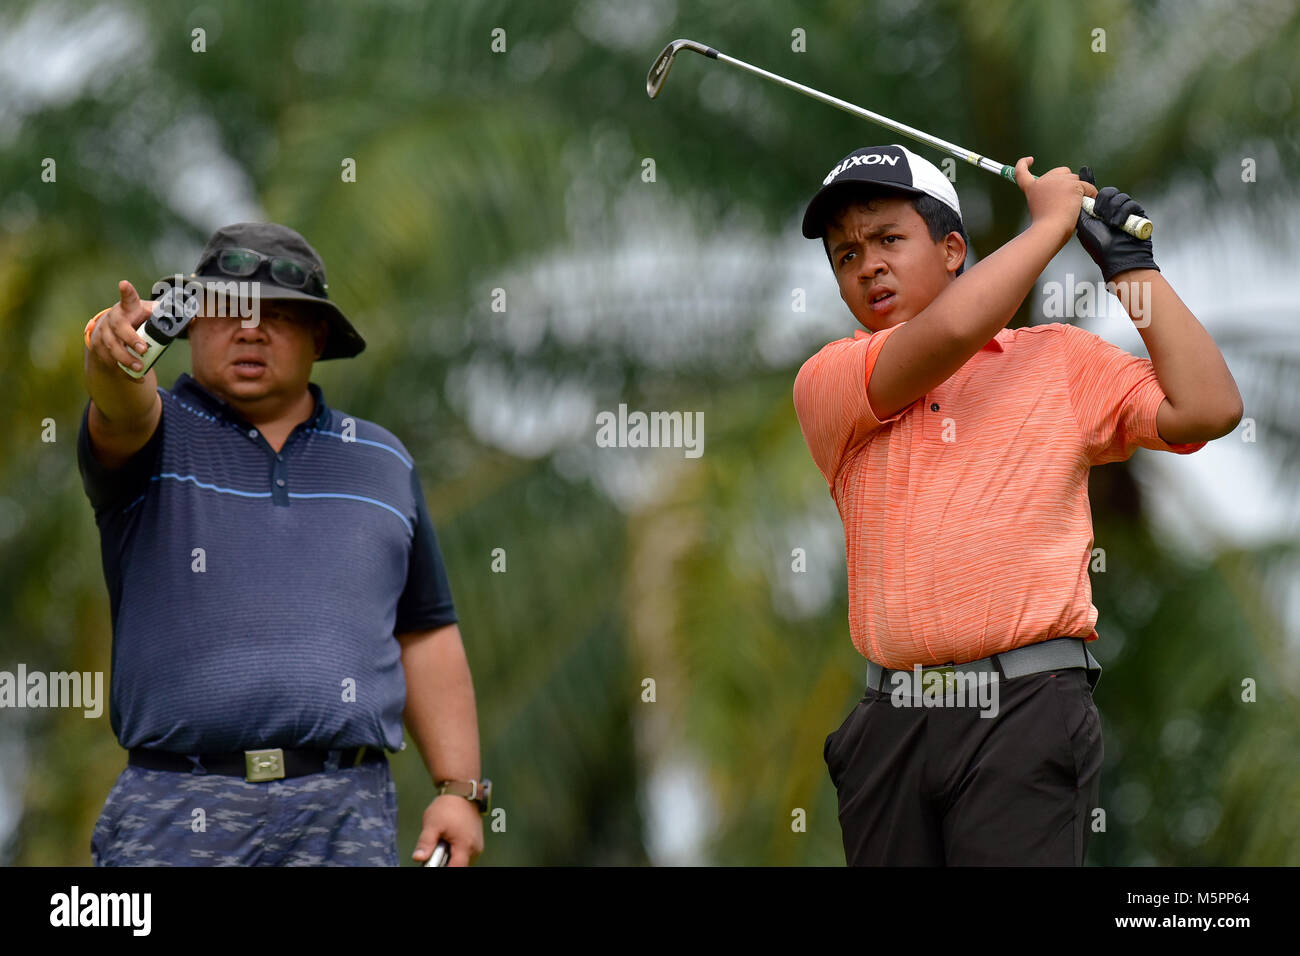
1135	226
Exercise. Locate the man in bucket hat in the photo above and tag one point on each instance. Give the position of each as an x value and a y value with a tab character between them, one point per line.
279	601
957	452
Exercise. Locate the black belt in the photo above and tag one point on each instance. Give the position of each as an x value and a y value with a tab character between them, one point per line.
256	765
1059	653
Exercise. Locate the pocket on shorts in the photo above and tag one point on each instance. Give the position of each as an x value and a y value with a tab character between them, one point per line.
390	798
104	834
1081	722
826	747
833	749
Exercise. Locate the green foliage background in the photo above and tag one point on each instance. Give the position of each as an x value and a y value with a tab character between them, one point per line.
479	171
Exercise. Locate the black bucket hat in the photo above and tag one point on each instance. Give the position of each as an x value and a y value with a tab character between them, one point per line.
273	241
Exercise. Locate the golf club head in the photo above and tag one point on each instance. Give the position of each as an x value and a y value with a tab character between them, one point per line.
654	81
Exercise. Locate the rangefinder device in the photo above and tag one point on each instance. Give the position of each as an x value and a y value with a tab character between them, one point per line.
172	311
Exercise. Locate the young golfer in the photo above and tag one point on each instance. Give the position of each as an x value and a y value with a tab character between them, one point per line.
957	452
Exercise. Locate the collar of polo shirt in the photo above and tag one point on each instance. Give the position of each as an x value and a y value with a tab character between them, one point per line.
994	343
187	386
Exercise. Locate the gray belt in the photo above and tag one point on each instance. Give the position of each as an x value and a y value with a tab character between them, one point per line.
1060	653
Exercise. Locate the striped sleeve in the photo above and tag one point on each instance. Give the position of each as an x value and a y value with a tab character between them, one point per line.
108	488
426	601
1115	397
830	399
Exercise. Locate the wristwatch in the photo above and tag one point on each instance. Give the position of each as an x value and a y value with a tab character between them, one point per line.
477	792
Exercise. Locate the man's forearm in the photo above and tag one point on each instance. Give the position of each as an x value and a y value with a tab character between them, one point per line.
118	397
983	300
1190	367
440	709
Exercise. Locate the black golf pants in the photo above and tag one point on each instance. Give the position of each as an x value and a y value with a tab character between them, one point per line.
936	786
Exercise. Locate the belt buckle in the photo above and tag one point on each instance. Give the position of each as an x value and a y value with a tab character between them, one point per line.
262	765
949	676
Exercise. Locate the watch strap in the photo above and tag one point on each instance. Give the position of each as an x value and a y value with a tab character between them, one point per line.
476	792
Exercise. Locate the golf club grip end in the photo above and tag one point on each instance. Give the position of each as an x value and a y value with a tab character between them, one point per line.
1139	227
1135	226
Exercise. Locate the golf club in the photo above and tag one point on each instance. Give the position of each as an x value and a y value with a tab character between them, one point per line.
1135	226
440	856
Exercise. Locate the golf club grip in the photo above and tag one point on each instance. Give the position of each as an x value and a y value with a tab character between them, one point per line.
1135	226
441	855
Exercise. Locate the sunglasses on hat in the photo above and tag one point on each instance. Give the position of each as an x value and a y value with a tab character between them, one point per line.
284	271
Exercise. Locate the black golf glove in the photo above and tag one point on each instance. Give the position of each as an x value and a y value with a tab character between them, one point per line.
1113	249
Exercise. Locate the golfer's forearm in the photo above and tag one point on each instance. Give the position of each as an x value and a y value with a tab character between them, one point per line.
122	401
1190	367
980	302
440	709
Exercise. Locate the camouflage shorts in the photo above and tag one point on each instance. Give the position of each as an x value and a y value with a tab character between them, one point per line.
169	818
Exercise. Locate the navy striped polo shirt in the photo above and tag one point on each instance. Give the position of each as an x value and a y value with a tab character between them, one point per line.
256	596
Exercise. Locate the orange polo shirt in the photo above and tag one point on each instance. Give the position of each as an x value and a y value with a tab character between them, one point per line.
966	518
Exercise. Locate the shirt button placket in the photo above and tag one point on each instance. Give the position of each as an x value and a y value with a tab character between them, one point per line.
280	482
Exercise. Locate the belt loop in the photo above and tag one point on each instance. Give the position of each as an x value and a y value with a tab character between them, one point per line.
1093	673
198	767
332	758
997	663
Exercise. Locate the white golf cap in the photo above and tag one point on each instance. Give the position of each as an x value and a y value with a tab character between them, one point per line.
894	167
